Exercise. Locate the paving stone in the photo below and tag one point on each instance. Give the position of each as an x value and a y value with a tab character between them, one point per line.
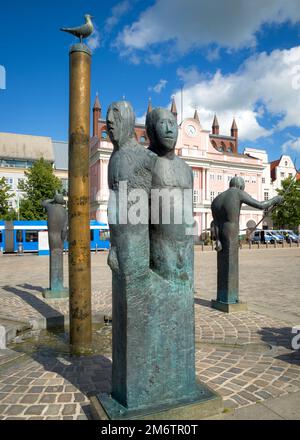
48	398
66	398
36	389
30	398
3	408
232	371
14	410
53	410
54	389
12	398
35	410
69	409
263	394
78	397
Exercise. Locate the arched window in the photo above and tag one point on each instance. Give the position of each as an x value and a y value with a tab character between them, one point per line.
230	149
214	144
142	139
104	134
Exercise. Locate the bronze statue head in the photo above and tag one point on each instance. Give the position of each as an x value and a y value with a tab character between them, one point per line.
120	121
237	182
162	130
59	199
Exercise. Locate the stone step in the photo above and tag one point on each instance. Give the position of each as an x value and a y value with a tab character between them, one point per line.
7	357
9	329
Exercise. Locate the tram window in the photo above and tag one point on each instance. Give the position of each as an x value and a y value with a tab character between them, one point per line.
1	239
19	236
92	235
31	236
104	235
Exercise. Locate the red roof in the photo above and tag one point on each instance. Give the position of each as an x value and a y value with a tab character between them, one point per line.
274	165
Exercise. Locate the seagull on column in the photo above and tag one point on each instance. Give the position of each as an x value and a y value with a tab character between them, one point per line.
83	31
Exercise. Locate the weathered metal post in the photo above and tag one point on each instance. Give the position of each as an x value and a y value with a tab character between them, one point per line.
79	221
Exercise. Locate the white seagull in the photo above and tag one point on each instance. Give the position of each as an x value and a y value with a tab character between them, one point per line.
83	31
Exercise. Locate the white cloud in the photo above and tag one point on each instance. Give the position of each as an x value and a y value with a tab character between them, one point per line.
262	86
213	54
159	86
189	75
197	23
291	144
117	13
94	40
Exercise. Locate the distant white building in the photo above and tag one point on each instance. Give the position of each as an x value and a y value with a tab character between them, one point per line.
273	175
18	152
281	169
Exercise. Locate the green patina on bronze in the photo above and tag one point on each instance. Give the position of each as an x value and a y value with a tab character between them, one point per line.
226	209
153	277
57	234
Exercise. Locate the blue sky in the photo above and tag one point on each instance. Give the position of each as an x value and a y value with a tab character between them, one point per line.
233	57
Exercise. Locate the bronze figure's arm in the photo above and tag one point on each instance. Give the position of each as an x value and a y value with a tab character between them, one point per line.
44	203
64	232
218	246
248	200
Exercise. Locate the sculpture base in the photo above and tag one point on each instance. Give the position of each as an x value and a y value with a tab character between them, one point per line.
56	294
206	403
229	308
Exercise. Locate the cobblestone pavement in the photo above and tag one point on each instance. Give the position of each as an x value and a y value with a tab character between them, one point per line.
246	357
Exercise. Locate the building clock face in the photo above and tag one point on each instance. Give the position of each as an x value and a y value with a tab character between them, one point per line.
191	130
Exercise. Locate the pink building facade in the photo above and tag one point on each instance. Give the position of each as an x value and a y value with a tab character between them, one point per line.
213	158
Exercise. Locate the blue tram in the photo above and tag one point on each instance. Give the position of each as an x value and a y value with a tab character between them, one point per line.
25	233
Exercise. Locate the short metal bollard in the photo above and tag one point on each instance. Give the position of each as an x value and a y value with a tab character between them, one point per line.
258	245
20	249
267	245
275	244
96	249
202	246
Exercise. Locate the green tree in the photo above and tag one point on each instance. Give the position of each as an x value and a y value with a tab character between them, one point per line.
287	215
5	195
40	184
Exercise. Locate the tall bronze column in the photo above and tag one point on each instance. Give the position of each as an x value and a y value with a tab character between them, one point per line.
79	218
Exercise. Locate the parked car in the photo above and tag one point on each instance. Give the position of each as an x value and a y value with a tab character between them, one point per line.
277	235
263	236
289	235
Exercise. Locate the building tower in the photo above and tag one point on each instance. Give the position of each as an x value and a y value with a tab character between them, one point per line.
174	108
96	116
196	116
234	133
215	126
149	109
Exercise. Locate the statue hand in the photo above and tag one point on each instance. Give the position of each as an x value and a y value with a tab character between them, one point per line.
279	200
112	260
218	247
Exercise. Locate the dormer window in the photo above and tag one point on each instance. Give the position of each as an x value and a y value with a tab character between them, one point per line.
104	134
